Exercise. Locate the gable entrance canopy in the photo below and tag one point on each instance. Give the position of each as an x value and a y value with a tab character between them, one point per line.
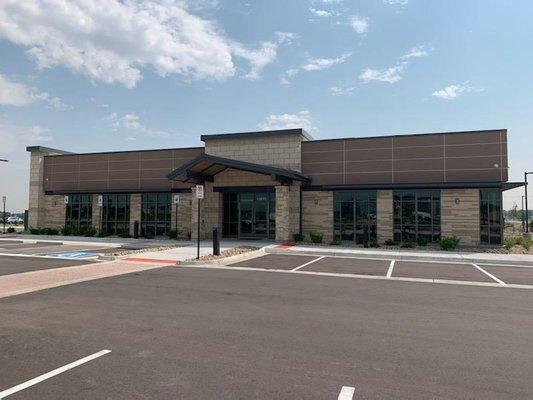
204	167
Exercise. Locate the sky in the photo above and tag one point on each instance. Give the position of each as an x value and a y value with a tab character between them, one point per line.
103	75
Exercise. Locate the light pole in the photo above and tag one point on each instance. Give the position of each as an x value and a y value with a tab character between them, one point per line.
525	188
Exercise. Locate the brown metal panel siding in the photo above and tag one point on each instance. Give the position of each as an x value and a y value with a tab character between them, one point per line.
432	158
132	170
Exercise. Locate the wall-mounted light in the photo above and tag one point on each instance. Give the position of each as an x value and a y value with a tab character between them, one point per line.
496	165
457	200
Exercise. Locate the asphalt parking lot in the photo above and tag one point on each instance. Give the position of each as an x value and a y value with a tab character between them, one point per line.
16	265
395	269
309	331
45	248
193	333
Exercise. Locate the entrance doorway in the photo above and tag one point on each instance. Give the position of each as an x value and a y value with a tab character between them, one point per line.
249	215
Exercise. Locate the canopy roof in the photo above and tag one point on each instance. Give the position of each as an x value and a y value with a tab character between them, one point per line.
205	167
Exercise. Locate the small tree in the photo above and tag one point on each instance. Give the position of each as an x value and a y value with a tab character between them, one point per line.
514	213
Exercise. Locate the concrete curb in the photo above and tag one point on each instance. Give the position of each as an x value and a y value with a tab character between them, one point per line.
399	257
226	260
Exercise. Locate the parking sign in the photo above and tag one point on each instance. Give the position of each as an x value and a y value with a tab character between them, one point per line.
100	200
66	199
4	198
199	191
176	199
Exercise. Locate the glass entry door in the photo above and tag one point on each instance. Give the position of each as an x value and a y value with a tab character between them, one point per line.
255	215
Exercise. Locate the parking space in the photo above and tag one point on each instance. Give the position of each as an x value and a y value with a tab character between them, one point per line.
442	271
16	265
276	261
511	275
350	266
395	269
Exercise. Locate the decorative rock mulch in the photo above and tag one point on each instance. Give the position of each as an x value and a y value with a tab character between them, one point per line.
228	253
124	252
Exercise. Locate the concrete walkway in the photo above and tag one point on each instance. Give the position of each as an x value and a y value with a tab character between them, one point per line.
407	254
11	285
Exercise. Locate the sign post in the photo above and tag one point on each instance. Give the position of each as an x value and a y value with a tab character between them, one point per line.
4	201
176	201
199	197
100	204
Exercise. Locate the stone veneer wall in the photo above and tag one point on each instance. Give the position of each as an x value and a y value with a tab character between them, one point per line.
184	216
38	201
317	214
97	212
211	214
282	213
282	151
135	211
385	215
294	208
53	212
462	219
233	177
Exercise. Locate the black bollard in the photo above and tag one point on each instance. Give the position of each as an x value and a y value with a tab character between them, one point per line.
136	229
216	242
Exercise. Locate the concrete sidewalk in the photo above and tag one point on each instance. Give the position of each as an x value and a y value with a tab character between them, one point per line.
406	254
96	241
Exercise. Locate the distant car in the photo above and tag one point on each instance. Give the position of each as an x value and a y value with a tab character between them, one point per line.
14	220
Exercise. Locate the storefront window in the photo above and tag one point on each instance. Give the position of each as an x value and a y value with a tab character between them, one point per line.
490	216
116	214
249	215
155	214
79	211
352	212
416	214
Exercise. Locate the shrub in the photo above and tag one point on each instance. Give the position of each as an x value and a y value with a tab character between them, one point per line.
373	243
298	237
390	242
35	231
523	241
66	230
49	231
422	241
10	230
449	242
102	233
124	234
408	243
172	234
336	242
316	237
90	232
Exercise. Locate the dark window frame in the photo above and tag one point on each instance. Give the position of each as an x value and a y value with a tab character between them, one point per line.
416	222
111	222
79	205
156	214
490	225
352	211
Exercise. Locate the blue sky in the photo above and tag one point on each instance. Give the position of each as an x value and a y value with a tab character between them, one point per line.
100	75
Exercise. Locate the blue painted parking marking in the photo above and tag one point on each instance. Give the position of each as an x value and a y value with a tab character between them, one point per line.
73	256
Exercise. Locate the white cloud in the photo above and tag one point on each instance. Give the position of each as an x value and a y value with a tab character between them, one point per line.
14	138
359	24
321	13
258	58
315	64
390	75
131	121
114	40
453	91
301	119
341	90
395	73
18	94
286	37
396	2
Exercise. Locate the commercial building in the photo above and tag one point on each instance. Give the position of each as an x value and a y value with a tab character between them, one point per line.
273	184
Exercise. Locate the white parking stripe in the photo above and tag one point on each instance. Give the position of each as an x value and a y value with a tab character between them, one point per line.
346	393
51	374
307	263
489	274
391	267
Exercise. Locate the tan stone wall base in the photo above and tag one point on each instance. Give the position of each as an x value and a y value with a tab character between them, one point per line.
460	215
317	214
184	216
53	212
135	212
385	215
